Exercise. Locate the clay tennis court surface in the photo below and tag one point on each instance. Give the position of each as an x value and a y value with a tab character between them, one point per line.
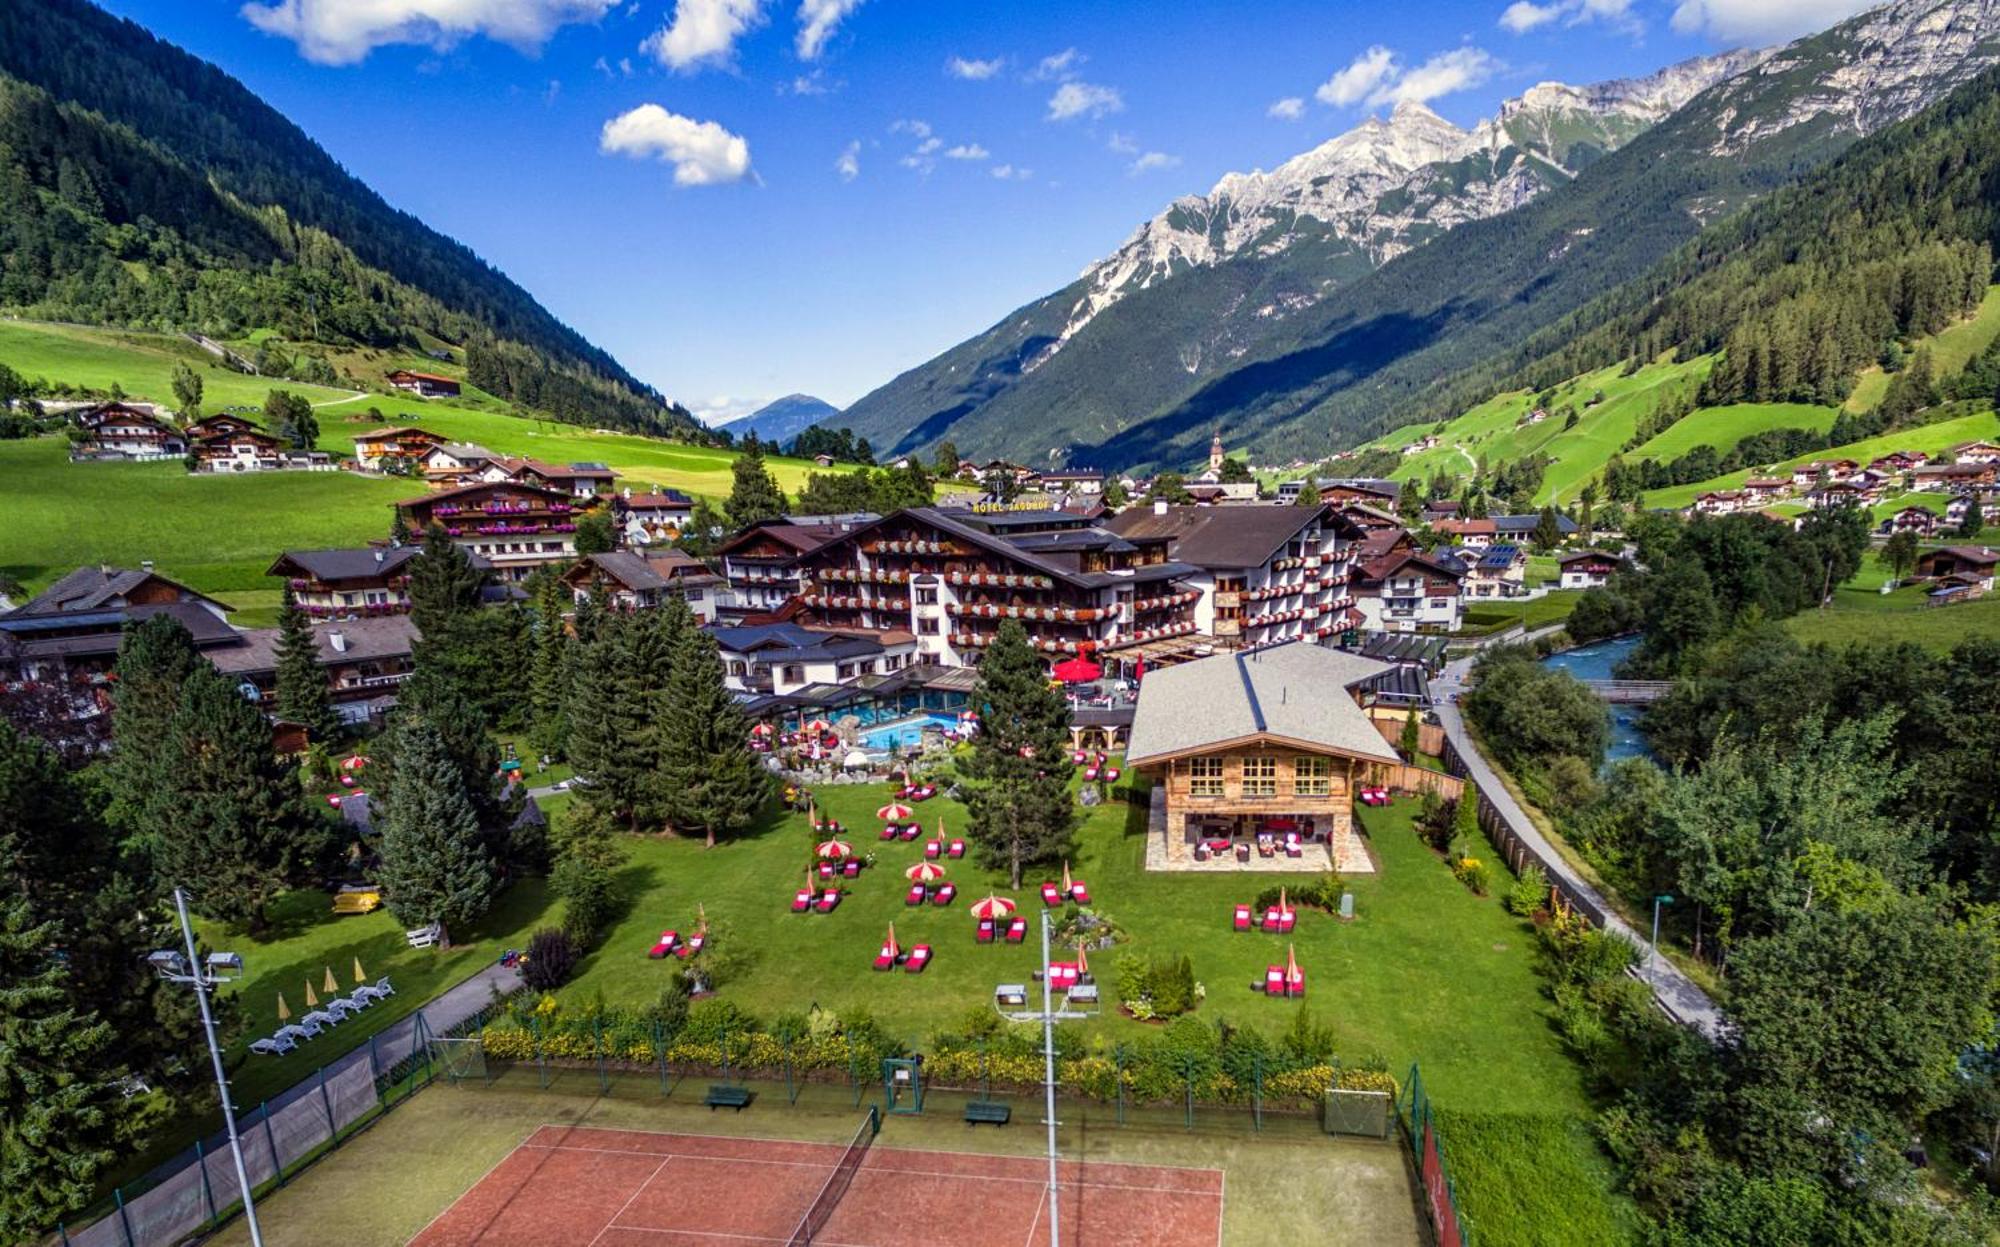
631	1188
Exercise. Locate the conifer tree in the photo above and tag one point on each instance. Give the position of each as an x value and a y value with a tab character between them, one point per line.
753	491
302	693
56	1096
1020	807
711	780
435	864
703	530
1548	534
443	584
441	701
585	874
548	686
155	659
236	829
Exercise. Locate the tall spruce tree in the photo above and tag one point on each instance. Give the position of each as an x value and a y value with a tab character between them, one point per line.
236	830
56	1094
155	658
443	583
466	732
753	491
435	864
1020	806
548	683
712	781
302	693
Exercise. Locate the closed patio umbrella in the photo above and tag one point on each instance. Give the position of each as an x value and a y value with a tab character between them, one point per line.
360	976
1292	974
1067	887
889	945
312	1001
331	985
1082	960
1284	906
993	907
924	872
284	1010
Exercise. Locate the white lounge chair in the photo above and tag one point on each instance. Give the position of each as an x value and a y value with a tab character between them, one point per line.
359	998
342	1008
277	1045
319	1017
297	1032
424	937
384	988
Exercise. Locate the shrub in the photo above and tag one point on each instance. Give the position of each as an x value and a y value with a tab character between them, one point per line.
551	959
1473	873
1529	892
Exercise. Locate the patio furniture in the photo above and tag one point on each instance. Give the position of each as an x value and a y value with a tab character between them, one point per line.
424	937
1292	846
1017	930
690	946
273	1047
943	896
920	956
1243	918
720	1096
802	900
889	831
383	988
1295	985
957	849
1243	853
828	901
1080	894
664	945
1270	923
1011	996
296	1033
358	999
319	1017
912	831
852	870
931	850
1274	980
1201	850
984	933
1287	919
1083	994
987	1112
916	895
1051	895
826	870
342	1008
886	959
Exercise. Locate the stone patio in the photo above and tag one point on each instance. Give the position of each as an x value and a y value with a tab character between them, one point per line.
1347	855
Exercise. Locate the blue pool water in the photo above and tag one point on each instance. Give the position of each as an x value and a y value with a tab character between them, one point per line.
1600	662
904	735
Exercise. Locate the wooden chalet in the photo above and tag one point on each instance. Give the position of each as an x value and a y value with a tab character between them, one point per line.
365	661
516	528
126	431
424	384
211	426
1586	569
1259	746
1919	520
380	449
655	517
69	632
631	580
1976	563
1408	591
245	450
765	563
352	582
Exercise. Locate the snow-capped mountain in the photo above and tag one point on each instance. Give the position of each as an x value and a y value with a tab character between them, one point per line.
1390	184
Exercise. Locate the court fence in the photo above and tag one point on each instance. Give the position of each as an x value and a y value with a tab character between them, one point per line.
196	1191
1440	1198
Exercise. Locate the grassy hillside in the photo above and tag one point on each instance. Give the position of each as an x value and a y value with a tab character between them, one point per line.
1950	350
1928	438
1723	427
1860	611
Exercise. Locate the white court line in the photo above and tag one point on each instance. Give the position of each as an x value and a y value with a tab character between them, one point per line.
1040	1204
636	1192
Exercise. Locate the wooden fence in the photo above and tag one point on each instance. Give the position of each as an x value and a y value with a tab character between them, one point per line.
1417	779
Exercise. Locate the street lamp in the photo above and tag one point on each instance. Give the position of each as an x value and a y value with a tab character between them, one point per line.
1653	949
203	973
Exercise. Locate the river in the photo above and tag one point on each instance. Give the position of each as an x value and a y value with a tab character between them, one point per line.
1599	661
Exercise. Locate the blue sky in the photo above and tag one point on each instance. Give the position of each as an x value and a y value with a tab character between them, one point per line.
742	198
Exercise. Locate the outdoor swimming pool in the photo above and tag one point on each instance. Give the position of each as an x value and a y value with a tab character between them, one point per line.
906	734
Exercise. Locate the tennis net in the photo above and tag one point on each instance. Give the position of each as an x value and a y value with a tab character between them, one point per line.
837	1182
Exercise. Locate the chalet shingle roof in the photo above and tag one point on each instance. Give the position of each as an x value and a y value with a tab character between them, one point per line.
349	563
641	572
1296	691
1218	536
388	636
98	588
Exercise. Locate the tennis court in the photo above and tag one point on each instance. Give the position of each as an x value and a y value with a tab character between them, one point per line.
628	1188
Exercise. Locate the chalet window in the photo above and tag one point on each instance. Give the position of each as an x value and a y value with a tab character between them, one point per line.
927	597
794	674
927	625
1204	777
737	668
1260	776
1312	777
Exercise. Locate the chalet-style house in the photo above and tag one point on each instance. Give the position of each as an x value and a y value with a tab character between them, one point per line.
1586	569
1976	452
951	577
424	384
1975	563
1369	490
1474	534
1520	529
1265	574
1919	520
1498	571
783	658
1405	590
516	528
584	480
765	563
220	423
1989	508
249	450
1023	476
126	431
1762	490
631	580
394	449
1848	493
69	632
364	660
1073	481
1953	477
449	465
1722	502
1440	509
1254	748
1807	475
351	583
652	518
1897	461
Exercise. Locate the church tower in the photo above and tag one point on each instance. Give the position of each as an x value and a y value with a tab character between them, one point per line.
1215	453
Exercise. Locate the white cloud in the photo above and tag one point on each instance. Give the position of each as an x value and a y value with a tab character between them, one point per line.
817	21
1154	160
814	83
910	125
1291	108
339	32
703	31
967	151
1062	65
701	152
1761	20
1123	144
1008	173
1523	16
1456	70
1082	99
1353	84
974	70
722	408
849	164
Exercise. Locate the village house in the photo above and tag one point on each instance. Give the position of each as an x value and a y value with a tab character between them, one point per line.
1473	534
397	449
125	431
1765	489
783	658
1952	477
1976	452
1520	529
1438	510
1954	511
1806	475
516	528
951	576
634	581
1257	758
1265	574
1408	591
1721	502
1073	481
582	480
1498	571
352	581
245	450
1975	563
216	425
765	563
655	517
1368	490
1852	492
1919	520
1586	569
68	634
449	465
424	384
365	660
1024	477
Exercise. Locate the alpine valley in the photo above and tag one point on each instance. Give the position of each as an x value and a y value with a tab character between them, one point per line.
1387	276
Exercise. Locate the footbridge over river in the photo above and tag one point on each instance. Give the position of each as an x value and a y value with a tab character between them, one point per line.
1629	692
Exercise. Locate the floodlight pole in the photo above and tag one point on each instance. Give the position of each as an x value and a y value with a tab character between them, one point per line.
198	976
1049	1081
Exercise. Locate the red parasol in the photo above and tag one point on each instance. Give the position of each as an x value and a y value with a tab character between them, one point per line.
1077	671
894	812
835	849
924	872
993	907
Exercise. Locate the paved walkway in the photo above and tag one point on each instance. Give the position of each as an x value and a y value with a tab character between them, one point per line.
1677	994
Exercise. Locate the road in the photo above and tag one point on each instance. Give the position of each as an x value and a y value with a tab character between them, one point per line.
1676	993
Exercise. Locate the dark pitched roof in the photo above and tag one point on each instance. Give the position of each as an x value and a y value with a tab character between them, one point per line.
1523	524
461	491
388	636
1218	536
784	642
645	571
1580	555
99	588
347	563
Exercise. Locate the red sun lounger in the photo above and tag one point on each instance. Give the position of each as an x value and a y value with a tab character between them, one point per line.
1271	920
852	869
930	850
828	900
802	900
1287	919
1017	930
886	959
665	944
1051	895
888	831
826	870
920	956
1274	980
913	831
1243	922
957	849
1297	986
944	894
915	896
690	946
1080	893
985	932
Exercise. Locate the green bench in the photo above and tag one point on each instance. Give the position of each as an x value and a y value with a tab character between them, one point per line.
985	1111
727	1097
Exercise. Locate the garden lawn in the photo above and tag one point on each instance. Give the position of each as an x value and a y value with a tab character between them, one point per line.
1552	607
1861	612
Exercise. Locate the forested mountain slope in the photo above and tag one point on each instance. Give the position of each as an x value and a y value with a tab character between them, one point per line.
142	186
